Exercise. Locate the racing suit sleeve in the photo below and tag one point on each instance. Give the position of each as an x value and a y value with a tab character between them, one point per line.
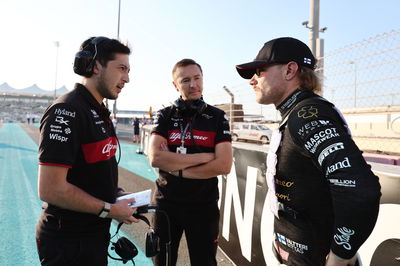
59	139
320	130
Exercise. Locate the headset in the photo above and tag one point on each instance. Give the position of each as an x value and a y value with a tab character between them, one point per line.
85	59
190	107
127	250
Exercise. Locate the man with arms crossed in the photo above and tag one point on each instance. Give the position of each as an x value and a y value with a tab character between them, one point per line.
191	145
78	172
323	194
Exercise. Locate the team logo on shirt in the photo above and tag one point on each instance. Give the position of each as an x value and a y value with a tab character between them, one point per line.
201	138
307	112
290	101
295	246
310	126
343	237
342	182
59	111
285	197
328	150
58	137
55	128
283	183
94	113
100	151
315	140
60	120
206	116
339	165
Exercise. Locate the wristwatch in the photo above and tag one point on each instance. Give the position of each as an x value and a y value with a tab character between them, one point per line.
105	211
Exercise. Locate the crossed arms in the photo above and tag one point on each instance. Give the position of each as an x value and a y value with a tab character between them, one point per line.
194	166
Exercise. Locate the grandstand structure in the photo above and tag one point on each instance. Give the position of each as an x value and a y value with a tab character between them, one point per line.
23	107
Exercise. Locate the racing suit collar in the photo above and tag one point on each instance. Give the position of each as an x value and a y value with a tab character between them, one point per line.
297	96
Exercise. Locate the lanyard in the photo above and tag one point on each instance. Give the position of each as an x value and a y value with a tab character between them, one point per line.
183	133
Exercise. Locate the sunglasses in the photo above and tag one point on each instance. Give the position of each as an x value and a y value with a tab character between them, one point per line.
259	70
263	69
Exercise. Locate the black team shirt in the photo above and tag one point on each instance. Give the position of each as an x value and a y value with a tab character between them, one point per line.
203	132
76	132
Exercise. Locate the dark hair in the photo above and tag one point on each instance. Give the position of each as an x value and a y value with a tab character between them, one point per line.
106	49
185	62
309	80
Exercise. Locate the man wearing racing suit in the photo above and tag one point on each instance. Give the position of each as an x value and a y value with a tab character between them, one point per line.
191	145
323	194
78	172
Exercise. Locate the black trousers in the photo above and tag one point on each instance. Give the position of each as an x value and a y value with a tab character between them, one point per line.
201	227
80	251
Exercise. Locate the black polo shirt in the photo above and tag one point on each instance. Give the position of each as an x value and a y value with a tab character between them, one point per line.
201	133
76	132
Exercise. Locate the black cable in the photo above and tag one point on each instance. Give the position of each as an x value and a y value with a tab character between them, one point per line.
167	244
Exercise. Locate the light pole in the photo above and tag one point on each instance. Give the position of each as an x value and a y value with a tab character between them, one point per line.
316	44
57	44
119	13
230	106
355	82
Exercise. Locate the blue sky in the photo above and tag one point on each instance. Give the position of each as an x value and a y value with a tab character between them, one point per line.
218	34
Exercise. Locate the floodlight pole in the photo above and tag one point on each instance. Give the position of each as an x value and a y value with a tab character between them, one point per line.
57	44
114	111
230	106
119	16
315	43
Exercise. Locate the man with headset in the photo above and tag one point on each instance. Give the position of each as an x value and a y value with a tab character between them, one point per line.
78	171
191	146
323	194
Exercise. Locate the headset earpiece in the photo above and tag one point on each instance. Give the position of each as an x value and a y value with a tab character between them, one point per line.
152	244
85	59
191	106
125	249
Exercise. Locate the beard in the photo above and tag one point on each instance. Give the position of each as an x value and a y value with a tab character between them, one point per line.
103	89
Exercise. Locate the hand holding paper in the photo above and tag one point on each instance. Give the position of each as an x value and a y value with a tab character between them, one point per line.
141	198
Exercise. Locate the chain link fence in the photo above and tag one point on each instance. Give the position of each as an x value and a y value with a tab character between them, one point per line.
363	80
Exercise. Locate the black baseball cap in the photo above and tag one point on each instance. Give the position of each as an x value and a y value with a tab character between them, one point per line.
280	50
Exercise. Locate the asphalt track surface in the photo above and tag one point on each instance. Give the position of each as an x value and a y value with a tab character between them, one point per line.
20	206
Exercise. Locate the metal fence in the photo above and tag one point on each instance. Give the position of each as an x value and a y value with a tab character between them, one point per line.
364	74
363	80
